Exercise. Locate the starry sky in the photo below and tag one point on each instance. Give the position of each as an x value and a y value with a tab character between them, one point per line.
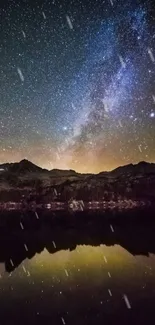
77	83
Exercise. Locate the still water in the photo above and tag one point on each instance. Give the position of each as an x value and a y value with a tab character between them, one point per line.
88	285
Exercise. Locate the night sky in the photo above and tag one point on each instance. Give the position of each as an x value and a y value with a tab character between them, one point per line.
77	83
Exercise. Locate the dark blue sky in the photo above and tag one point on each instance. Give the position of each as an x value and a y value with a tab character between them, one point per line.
77	83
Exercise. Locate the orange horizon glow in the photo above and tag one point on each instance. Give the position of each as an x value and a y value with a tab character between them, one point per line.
66	163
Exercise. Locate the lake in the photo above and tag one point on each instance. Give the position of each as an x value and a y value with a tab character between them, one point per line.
86	285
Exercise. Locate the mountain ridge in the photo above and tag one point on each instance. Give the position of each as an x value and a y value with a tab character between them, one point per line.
31	182
28	166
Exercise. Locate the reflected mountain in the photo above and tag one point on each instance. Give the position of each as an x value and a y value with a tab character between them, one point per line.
17	244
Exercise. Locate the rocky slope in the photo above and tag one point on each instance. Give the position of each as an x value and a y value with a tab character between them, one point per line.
25	181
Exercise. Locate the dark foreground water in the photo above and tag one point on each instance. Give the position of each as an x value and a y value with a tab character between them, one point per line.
52	278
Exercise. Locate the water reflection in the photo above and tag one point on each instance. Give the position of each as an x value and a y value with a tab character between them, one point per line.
82	275
16	246
75	284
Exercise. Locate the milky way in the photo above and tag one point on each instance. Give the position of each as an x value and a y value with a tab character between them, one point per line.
77	83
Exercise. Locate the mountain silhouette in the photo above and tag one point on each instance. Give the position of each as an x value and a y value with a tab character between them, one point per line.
25	166
135	234
131	182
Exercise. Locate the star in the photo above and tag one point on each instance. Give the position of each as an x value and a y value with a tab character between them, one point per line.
78	83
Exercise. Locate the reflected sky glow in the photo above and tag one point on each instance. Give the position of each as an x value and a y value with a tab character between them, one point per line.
78	284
